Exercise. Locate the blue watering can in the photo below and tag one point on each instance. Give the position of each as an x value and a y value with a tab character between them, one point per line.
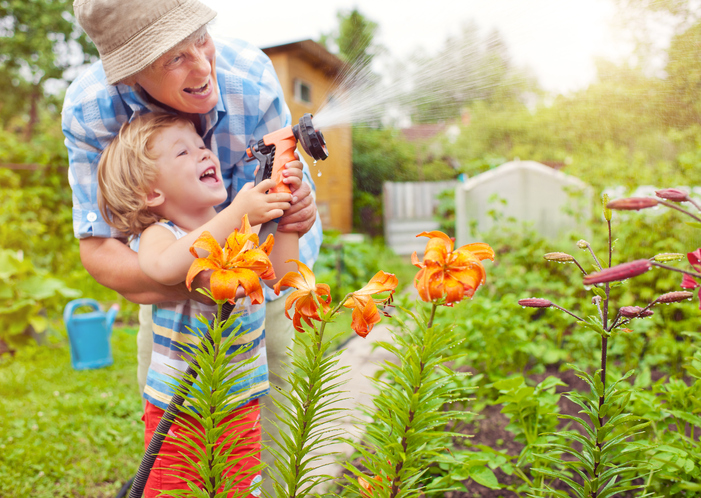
89	334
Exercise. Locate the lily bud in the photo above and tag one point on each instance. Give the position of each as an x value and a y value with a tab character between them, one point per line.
635	312
535	302
672	194
560	257
607	211
633	203
675	297
666	257
582	244
618	272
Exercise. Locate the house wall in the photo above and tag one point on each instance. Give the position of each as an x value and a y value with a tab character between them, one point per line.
334	187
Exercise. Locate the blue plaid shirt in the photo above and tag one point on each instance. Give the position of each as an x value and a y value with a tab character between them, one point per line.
251	104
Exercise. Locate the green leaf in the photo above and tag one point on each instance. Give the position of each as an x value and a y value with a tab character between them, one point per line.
485	477
599	291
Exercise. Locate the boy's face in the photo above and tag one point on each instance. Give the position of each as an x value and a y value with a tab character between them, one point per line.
189	176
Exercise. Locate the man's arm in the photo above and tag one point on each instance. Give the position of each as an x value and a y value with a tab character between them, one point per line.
116	266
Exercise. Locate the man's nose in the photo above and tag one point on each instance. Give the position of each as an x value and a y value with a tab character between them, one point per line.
200	62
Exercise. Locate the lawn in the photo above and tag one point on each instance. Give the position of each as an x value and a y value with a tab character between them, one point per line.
65	432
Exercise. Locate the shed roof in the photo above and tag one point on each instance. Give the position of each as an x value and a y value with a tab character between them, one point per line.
514	167
312	52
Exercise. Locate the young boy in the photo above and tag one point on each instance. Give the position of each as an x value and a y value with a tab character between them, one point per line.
160	184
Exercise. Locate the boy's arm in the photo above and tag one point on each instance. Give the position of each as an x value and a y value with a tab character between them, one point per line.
167	259
286	247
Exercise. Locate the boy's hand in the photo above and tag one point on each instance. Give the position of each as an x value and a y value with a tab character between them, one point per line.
261	207
292	177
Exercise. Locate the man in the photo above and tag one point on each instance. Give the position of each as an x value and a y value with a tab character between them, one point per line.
158	56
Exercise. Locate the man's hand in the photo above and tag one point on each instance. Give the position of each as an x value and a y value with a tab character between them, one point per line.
301	215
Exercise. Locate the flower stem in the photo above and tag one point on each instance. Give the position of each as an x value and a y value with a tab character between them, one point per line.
672	268
433	314
296	459
674	206
584	272
568	312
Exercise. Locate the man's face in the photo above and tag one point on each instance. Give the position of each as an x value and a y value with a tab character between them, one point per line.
185	78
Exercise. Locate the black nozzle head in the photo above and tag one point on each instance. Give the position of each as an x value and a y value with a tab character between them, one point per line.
312	140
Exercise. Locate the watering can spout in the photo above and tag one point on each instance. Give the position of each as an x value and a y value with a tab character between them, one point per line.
111	315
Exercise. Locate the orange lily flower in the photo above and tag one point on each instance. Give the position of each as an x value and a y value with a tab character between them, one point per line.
366	487
453	274
241	262
306	308
365	314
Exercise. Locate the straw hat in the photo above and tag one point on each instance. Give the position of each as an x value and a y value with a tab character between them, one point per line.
131	34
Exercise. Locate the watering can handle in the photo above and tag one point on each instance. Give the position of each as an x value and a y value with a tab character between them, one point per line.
77	303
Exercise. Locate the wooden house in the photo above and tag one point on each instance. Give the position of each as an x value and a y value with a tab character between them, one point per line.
307	73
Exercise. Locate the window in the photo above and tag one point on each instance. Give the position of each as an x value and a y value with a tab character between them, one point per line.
303	91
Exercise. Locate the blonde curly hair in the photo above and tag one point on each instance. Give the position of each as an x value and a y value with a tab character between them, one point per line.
127	172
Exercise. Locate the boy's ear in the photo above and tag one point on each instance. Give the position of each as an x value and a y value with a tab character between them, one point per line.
155	198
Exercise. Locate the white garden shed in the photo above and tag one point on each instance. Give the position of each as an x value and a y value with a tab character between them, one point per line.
527	191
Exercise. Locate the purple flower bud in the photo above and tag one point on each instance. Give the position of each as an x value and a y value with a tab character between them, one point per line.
635	312
672	194
618	272
675	297
632	203
535	302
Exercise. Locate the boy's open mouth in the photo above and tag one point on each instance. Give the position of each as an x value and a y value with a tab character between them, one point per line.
209	176
199	90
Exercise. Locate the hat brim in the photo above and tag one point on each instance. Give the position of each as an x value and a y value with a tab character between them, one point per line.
156	39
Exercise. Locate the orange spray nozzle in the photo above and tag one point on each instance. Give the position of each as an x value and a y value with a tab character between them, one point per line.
277	149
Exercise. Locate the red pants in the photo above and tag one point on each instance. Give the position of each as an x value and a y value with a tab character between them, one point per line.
165	474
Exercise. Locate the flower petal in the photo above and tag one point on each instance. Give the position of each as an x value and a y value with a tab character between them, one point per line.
481	250
688	282
380	282
199	265
224	284
208	243
364	318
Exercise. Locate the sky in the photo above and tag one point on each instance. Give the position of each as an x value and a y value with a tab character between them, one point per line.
556	39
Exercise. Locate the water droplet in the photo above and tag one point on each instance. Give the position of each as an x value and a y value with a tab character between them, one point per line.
319	173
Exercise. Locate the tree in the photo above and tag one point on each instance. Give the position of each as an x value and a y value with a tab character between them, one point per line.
650	23
354	39
684	78
39	41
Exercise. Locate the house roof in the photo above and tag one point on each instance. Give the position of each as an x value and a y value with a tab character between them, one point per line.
314	53
422	132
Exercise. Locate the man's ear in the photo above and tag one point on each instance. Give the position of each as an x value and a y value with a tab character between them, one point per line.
155	198
129	80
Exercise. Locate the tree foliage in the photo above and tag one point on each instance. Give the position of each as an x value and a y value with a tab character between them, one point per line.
354	38
39	41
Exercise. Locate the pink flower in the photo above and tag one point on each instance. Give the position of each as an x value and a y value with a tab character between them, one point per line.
688	281
618	272
535	302
672	194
